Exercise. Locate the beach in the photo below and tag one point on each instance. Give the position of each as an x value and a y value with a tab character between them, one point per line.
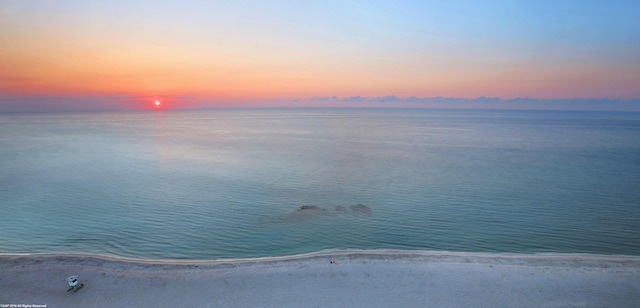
370	278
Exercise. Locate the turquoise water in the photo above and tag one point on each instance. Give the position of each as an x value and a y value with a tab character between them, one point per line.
227	183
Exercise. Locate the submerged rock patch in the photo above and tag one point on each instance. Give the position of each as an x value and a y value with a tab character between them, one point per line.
341	209
360	208
309	211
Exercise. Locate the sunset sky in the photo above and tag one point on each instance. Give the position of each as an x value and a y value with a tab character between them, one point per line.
95	55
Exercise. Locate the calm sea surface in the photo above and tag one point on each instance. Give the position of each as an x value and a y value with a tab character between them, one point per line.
230	183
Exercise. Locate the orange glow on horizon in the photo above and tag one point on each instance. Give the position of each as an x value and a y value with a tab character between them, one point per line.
164	58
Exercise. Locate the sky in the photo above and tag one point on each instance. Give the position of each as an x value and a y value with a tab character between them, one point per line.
108	55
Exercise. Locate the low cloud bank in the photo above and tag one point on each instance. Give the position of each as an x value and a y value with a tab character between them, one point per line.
10	104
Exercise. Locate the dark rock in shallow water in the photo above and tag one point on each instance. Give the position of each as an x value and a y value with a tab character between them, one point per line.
307	211
360	208
313	211
310	208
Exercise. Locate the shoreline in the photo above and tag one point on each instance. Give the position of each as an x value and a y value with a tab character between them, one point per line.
334	253
360	278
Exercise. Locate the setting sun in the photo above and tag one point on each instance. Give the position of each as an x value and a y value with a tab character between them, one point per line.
157	103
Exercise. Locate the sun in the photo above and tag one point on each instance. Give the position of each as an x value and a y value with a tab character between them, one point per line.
157	103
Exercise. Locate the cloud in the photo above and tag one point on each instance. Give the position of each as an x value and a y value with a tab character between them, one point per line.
410	99
353	99
324	99
123	101
484	99
391	98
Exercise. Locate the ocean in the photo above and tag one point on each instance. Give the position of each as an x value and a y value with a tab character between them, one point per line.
212	184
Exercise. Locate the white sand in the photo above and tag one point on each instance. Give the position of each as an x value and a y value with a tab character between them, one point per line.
380	278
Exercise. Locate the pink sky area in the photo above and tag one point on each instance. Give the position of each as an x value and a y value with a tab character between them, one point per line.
75	55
